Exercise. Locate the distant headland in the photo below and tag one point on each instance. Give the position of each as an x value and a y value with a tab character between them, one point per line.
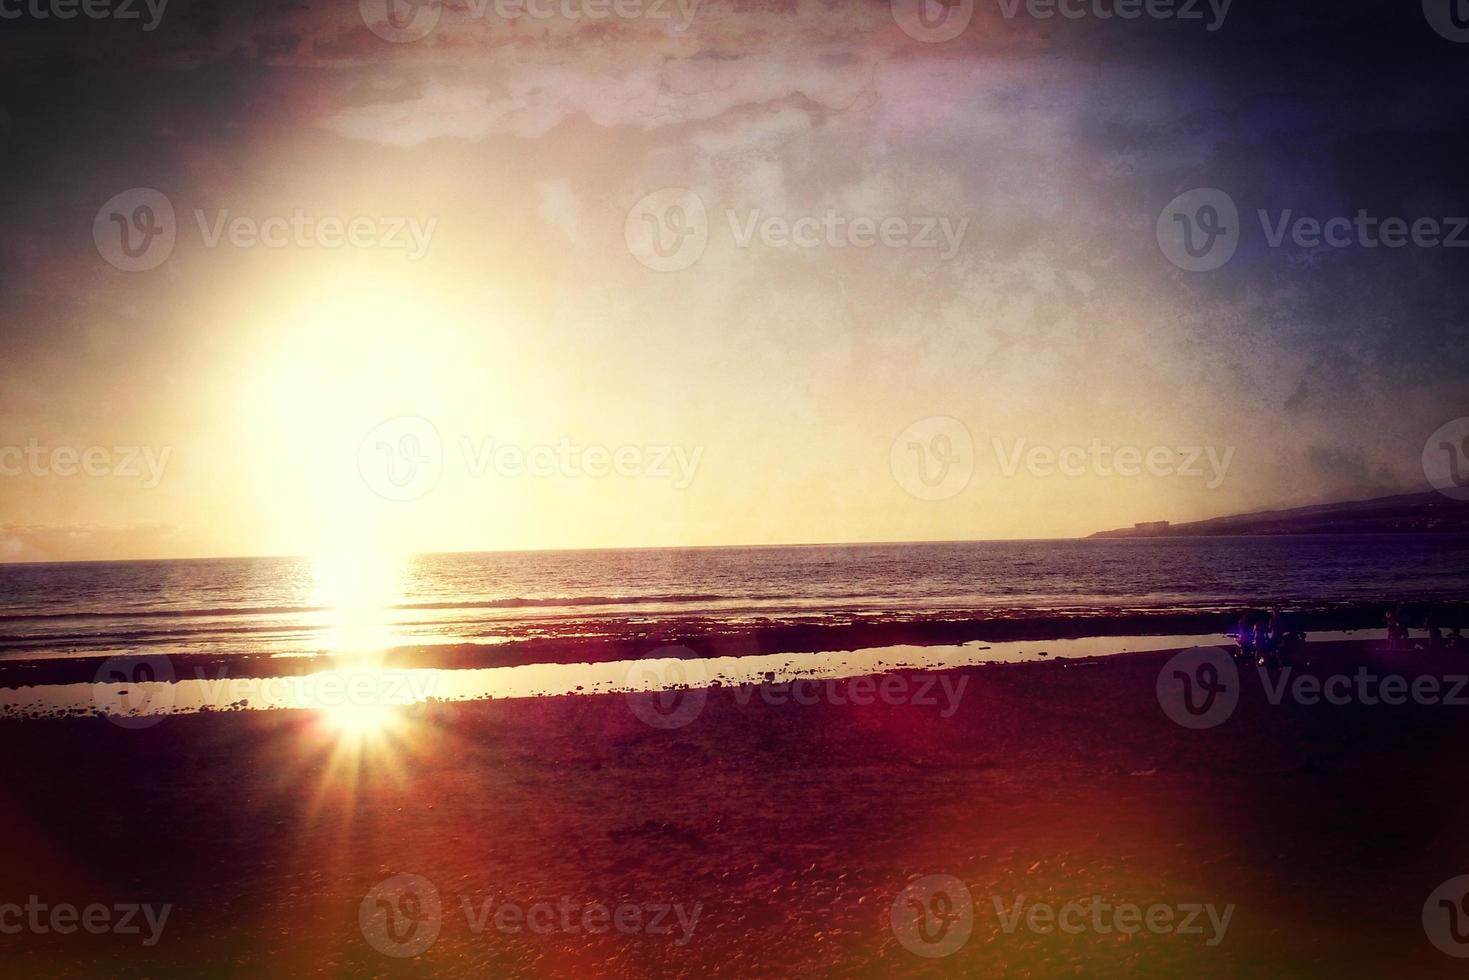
1430	512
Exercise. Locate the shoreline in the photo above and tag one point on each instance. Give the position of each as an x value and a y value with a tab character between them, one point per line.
152	698
703	639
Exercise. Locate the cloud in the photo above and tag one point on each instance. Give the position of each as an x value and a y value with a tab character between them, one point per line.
83	542
528	97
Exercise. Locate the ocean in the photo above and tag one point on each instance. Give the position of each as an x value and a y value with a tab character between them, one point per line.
288	606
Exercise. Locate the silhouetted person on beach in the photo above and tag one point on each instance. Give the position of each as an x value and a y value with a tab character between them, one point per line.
1284	641
1263	647
1244	636
1396	631
1435	635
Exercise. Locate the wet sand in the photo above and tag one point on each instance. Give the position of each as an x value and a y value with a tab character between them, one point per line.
791	827
570	643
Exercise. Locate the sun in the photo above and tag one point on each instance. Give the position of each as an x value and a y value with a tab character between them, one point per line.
359	722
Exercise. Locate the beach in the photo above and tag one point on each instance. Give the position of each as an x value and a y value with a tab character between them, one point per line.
699	489
770	832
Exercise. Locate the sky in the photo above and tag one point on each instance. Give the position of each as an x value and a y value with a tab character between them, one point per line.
293	278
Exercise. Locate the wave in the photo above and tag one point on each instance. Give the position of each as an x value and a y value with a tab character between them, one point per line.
298	610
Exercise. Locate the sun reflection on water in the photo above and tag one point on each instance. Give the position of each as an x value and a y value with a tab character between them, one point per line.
363	705
359	591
